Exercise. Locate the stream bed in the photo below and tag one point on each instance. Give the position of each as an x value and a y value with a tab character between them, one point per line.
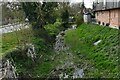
67	69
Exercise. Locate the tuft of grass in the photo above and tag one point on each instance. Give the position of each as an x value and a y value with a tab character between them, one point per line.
104	55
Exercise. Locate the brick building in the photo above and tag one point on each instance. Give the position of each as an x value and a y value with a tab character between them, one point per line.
107	13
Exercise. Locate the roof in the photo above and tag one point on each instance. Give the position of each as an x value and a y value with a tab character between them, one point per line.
98	6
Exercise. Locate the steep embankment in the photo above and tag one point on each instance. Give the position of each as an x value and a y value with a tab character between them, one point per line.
102	57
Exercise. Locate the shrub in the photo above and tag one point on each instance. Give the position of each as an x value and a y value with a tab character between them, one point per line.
78	20
53	29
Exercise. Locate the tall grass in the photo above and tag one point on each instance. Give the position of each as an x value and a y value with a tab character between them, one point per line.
104	55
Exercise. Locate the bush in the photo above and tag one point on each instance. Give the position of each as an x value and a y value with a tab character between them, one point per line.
78	19
53	29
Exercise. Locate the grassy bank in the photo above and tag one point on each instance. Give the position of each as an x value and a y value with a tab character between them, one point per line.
11	40
23	64
103	57
25	67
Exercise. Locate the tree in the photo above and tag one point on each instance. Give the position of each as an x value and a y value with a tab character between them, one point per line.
12	12
76	10
39	14
65	14
48	9
33	13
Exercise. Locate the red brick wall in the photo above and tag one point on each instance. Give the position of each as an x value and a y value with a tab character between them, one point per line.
102	16
119	17
109	16
114	18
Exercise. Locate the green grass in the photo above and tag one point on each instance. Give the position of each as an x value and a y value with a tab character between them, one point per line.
41	67
104	55
11	40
